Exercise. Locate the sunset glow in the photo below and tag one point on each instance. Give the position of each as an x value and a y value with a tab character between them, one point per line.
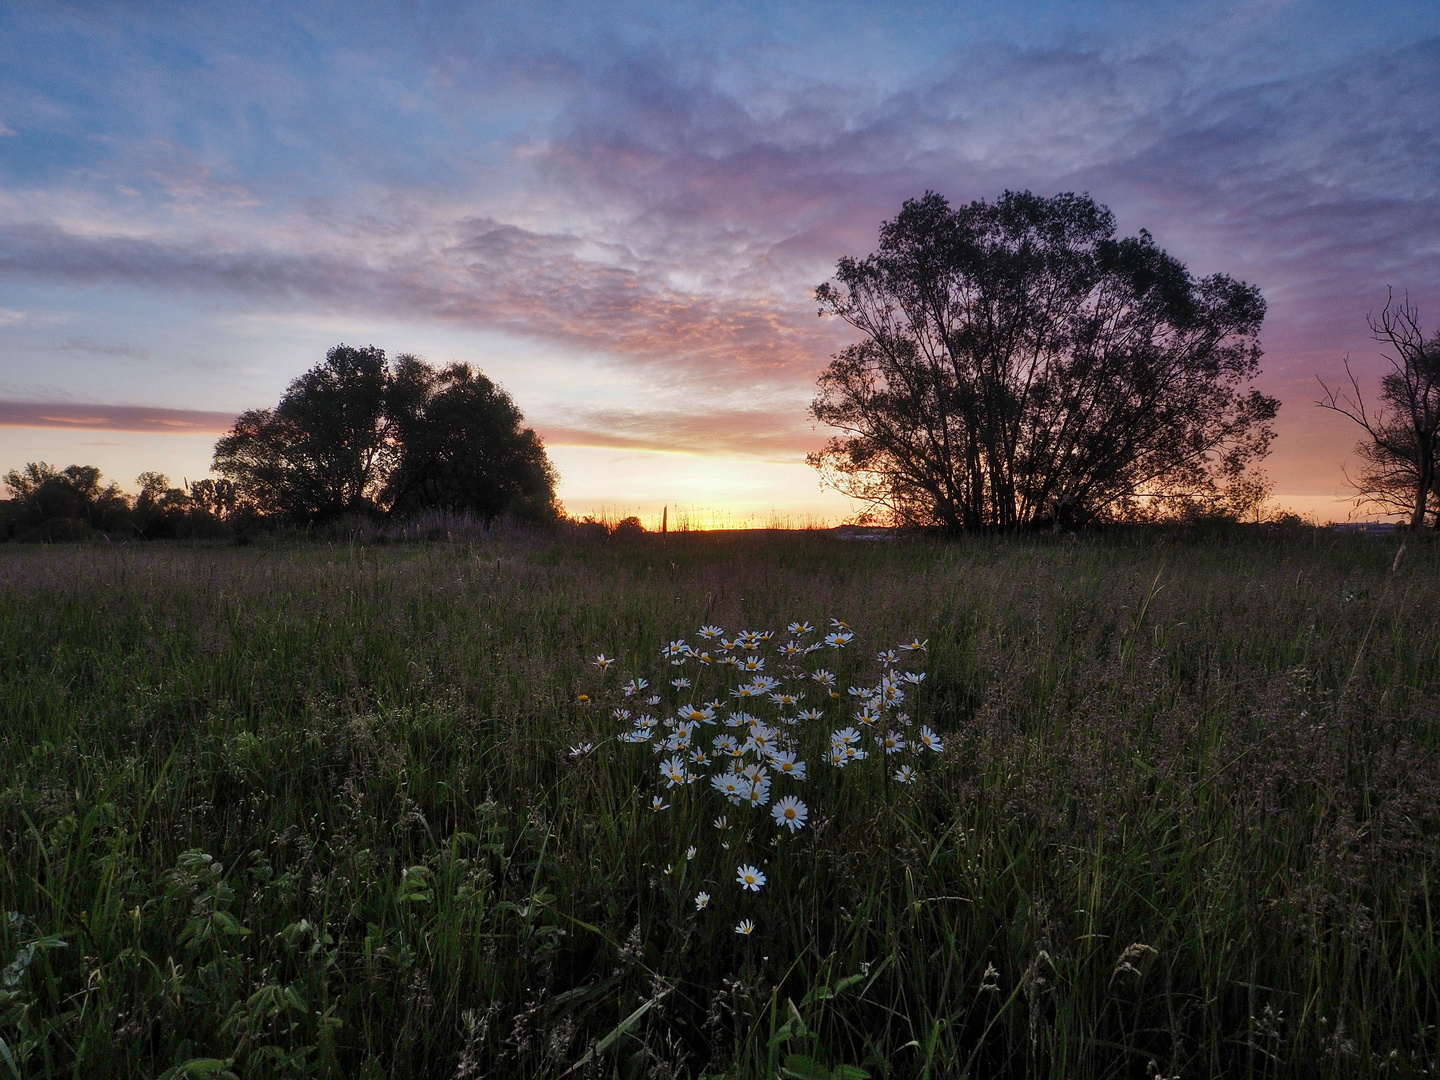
620	212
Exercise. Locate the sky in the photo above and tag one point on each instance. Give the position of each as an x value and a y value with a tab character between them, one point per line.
620	212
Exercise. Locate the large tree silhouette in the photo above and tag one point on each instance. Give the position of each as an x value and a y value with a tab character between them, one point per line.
360	434
1020	364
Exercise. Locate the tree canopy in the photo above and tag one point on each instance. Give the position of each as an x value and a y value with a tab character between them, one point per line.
1020	364
359	433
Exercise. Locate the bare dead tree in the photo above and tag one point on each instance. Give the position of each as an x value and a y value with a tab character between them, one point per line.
1402	435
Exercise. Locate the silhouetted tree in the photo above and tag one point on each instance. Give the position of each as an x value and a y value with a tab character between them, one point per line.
463	446
358	433
1019	364
217	498
48	496
1400	452
322	451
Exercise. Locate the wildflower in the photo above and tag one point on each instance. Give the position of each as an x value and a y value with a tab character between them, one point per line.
690	852
583	698
890	693
839	624
733	786
809	714
754	773
853	753
785	764
675	648
634	686
760	791
581	750
726	744
914	678
743	692
845	736
698	716
888	657
703	658
653	699
701	900
824	678
721	822
726	644
785	700
790	813
763	684
709	633
699	757
930	739
761	740
916	646
893	742
798	628
645	720
729	661
867	716
621	714
657	804
673	770
669	869
905	775
792	649
754	663
711	706
745	927
749	877
680	684
639	735
839	640
603	662
678	741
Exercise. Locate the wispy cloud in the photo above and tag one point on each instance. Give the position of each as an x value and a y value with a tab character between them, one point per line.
73	416
662	194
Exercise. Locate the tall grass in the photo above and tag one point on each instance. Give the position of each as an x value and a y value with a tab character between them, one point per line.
307	810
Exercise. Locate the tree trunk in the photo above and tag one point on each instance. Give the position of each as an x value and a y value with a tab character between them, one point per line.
1422	487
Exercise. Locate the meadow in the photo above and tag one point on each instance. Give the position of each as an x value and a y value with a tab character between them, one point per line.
303	809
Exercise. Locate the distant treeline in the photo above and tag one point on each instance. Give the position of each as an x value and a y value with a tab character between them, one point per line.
357	438
76	503
50	504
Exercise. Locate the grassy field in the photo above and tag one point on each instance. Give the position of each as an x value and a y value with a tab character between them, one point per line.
311	810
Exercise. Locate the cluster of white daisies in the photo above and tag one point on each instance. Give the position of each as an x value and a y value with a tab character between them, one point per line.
743	755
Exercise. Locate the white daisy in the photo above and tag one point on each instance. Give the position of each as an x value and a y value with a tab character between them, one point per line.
790	813
749	877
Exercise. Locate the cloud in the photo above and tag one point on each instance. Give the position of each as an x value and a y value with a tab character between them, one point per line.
770	435
676	207
98	348
71	416
475	272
